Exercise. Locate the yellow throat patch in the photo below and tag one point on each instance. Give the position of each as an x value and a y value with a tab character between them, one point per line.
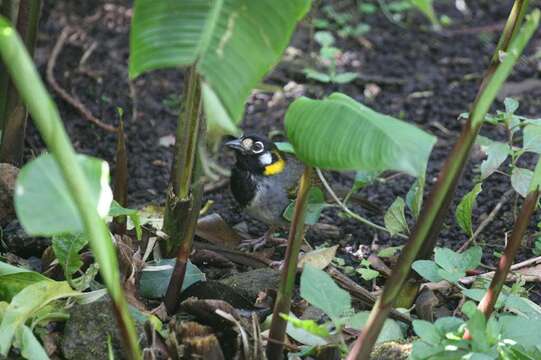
275	168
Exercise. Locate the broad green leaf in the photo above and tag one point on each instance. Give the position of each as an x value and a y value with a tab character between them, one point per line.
342	134
309	325
448	324
427	269
28	302
42	199
13	279
316	204
66	249
285	147
414	197
390	331
458	262
428	332
532	138
389	251
464	209
395	219
234	43
476	325
117	210
155	277
520	180
526	332
496	152
319	289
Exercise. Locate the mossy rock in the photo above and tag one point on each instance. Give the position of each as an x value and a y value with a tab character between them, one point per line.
392	350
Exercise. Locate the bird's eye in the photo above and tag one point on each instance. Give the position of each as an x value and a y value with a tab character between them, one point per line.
257	147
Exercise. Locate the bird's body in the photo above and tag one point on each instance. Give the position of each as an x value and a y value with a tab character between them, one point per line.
266	196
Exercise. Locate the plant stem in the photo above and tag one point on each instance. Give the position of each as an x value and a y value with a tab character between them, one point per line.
282	304
185	191
423	237
519	229
8	10
14	113
47	120
344	207
120	182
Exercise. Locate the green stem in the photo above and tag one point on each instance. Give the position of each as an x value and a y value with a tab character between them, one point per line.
185	192
14	113
48	122
506	260
9	11
423	237
282	304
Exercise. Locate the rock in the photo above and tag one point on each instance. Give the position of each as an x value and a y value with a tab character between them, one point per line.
392	350
87	330
8	175
250	283
15	240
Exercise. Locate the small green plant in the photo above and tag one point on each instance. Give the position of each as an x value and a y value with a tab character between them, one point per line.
500	337
366	272
448	265
343	23
328	54
319	289
395	10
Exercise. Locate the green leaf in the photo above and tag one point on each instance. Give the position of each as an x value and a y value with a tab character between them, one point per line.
363	178
316	203
66	249
520	180
40	184
368	274
390	331
389	251
285	147
511	105
414	197
524	331
532	138
117	210
13	279
448	324
155	277
344	78
234	43
30	346
317	75
304	335
26	303
428	332
309	325
351	136
496	152
464	209
324	38
427	269
425	6
318	288
454	262
395	219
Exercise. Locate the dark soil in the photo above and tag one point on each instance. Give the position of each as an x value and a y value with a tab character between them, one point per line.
425	77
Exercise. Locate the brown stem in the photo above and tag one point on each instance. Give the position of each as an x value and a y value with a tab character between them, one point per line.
275	345
15	114
506	260
120	184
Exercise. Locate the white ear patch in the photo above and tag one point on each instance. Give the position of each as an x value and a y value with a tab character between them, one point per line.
265	158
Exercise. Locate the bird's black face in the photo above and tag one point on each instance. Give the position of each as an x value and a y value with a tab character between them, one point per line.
257	155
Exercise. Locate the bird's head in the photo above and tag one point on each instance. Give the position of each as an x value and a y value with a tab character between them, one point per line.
257	155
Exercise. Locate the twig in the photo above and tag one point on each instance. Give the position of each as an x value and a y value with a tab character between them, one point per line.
63	93
347	210
488	220
470	279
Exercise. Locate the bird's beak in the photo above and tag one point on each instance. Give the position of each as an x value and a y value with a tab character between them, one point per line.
235	145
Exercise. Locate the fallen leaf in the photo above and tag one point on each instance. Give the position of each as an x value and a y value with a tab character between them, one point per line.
319	258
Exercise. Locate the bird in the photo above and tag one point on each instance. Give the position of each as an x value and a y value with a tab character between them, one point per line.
263	182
